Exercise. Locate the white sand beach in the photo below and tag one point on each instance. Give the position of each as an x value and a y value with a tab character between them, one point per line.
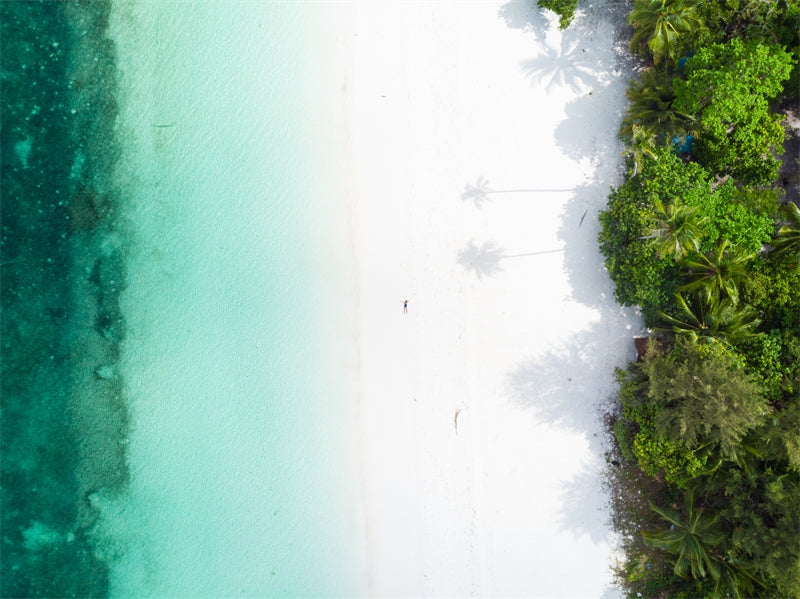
484	148
478	144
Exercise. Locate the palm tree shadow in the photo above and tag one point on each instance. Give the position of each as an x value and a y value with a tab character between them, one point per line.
484	261
571	386
480	192
568	65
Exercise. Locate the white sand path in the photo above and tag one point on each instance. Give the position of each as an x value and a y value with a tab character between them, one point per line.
512	325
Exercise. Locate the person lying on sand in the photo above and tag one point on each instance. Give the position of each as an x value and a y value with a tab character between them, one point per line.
405	306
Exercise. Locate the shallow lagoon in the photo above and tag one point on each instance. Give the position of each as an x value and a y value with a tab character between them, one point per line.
237	307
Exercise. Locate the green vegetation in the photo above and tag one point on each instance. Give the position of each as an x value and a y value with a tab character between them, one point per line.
728	87
787	239
565	9
703	238
662	28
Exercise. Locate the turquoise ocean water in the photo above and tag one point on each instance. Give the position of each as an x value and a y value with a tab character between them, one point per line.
178	303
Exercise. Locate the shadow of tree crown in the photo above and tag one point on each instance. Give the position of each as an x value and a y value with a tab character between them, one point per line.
567	65
571	384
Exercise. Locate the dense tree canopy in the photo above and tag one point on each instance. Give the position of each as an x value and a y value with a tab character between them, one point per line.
698	395
729	87
663	226
704	396
703	239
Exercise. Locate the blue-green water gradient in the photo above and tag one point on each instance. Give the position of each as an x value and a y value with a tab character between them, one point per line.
238	362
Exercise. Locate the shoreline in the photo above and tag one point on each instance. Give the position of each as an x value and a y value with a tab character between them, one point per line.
478	147
508	349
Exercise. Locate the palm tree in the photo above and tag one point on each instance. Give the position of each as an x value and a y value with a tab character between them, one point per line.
708	315
699	545
787	239
651	106
696	540
642	146
678	229
659	24
692	536
718	272
735	581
